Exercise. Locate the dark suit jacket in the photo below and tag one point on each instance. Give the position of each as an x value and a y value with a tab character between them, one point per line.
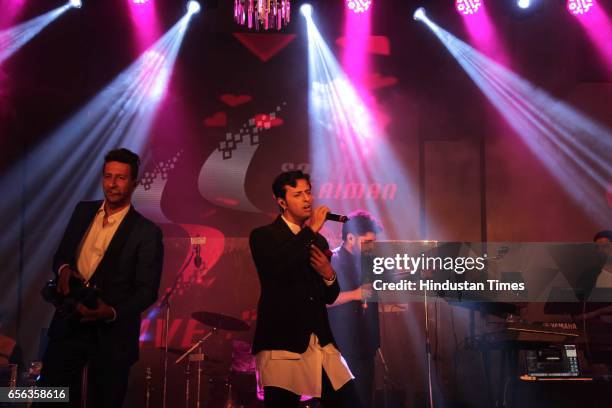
128	277
356	329
293	297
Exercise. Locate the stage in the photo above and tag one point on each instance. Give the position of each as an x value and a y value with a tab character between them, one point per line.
483	123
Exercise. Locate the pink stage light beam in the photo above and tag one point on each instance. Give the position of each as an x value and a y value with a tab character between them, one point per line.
9	12
355	55
483	34
468	7
145	21
358	6
597	26
580	7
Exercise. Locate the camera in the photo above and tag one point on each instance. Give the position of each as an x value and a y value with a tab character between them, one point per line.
79	292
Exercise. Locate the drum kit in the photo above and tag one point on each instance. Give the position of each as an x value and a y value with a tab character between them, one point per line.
237	389
223	392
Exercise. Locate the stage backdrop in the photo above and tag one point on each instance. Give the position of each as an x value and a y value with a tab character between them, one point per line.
442	165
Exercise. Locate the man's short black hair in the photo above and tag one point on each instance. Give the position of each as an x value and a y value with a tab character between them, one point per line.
360	223
603	234
287	178
126	156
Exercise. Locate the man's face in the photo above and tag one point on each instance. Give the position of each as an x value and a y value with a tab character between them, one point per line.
357	242
298	201
117	183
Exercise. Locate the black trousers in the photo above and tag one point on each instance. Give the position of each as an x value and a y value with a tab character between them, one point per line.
63	365
363	370
344	397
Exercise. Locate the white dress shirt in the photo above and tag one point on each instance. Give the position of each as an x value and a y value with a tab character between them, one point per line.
96	240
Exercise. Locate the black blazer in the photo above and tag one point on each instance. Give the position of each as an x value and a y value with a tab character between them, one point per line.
293	299
128	277
356	329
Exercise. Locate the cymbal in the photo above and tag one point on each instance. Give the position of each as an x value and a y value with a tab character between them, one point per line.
220	321
180	352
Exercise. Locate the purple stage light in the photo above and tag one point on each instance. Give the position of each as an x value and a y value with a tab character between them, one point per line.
140	1
193	7
580	7
358	6
306	10
468	7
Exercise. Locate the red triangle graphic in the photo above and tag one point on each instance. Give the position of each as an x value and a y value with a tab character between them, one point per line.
265	46
376	44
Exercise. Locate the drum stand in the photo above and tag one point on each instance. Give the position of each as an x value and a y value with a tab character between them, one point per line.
229	402
148	378
386	378
165	303
197	357
187	375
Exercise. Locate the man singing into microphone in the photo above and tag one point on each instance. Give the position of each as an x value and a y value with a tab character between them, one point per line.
294	347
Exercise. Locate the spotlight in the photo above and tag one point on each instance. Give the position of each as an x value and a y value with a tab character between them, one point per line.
358	6
193	7
346	130
524	3
468	7
140	1
569	144
76	3
580	7
419	14
15	37
306	10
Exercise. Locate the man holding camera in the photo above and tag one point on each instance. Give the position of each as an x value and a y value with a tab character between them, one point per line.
114	255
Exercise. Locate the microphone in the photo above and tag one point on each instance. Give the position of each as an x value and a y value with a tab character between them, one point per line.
196	242
197	260
336	217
